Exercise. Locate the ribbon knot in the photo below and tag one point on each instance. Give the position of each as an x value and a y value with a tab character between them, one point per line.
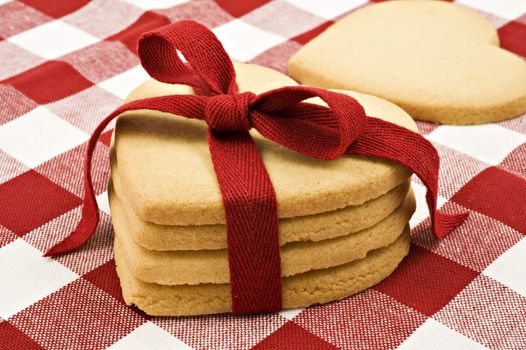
229	112
281	115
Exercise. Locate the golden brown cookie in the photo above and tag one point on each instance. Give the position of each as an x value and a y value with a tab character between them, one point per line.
211	266
165	167
440	62
313	287
314	227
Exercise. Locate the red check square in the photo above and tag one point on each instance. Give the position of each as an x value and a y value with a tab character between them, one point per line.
31	200
426	281
148	21
290	336
105	277
49	82
14	338
56	8
513	37
498	194
240	8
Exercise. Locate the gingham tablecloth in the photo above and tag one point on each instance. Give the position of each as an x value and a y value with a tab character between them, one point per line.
66	64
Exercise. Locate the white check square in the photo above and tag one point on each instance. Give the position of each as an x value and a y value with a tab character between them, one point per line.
489	143
149	336
122	84
509	9
508	268
243	41
433	335
39	136
327	8
53	39
26	277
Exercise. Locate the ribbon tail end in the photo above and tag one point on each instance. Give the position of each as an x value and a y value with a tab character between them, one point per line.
446	223
60	248
77	238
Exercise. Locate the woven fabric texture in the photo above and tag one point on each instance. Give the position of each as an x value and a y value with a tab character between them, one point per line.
68	64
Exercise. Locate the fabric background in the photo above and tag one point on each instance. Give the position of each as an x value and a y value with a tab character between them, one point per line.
66	64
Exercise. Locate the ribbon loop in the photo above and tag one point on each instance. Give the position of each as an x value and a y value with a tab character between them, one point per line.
225	113
209	69
330	129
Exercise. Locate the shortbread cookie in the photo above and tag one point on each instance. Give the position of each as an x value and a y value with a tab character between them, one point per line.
313	287
440	62
165	166
314	227
211	266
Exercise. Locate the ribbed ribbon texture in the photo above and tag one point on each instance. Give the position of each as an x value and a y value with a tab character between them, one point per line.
281	115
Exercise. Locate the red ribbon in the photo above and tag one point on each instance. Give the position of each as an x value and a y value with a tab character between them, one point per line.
279	115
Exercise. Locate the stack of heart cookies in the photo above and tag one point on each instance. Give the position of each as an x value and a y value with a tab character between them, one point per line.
343	224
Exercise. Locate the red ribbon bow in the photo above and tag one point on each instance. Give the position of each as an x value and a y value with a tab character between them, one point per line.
279	115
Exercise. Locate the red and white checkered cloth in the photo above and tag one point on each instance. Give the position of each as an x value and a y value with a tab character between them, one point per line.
66	64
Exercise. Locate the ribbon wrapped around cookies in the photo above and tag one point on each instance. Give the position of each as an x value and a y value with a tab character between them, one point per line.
281	115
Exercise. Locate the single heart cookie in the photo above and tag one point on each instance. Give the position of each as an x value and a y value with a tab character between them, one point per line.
440	62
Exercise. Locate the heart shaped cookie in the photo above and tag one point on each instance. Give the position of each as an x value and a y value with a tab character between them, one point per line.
440	62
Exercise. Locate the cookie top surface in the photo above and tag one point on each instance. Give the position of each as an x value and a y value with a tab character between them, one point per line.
439	61
165	166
